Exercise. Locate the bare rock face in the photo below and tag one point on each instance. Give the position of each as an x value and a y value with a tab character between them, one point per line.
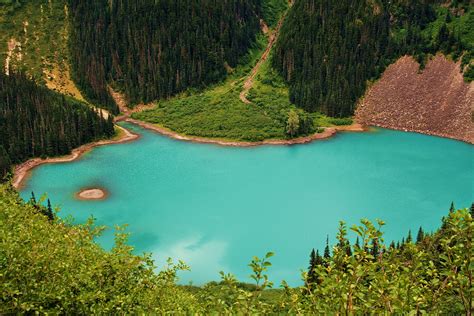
434	101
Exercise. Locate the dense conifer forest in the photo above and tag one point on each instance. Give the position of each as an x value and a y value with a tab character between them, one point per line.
329	50
68	273
154	49
36	122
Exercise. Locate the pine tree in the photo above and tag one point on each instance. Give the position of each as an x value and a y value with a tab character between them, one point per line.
409	238
420	236
327	252
472	210
312	277
33	198
402	243
49	211
5	162
452	208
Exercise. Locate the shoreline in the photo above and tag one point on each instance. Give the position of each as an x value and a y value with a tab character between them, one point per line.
327	133
22	171
422	132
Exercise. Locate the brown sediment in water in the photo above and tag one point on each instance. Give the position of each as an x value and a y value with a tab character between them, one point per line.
23	170
327	133
92	194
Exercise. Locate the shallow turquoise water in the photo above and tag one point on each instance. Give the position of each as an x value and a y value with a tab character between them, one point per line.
216	207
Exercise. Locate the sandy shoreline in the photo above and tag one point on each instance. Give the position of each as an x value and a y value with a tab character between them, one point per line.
327	133
22	170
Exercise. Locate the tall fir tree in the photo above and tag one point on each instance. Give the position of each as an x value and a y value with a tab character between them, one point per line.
420	236
314	262
409	238
452	208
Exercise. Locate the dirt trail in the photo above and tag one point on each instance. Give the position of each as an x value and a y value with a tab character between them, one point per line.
272	39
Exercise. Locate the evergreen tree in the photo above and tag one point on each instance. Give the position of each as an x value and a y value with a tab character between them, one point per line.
471	210
409	238
452	208
33	198
49	211
327	252
420	236
5	163
313	263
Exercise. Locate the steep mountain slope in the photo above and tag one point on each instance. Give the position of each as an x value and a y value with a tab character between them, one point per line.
34	39
434	101
329	51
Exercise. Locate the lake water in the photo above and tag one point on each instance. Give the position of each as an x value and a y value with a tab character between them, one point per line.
216	207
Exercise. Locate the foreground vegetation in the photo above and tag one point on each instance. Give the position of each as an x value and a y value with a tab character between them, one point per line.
49	265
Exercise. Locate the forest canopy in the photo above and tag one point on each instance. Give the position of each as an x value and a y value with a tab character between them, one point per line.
328	51
37	122
154	49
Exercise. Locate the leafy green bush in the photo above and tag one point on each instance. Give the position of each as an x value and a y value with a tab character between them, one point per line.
56	267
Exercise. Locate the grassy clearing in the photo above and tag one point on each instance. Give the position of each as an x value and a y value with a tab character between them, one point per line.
217	112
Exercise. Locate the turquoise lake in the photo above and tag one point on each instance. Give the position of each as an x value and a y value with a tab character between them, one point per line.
216	207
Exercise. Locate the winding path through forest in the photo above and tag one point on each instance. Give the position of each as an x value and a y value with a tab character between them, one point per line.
272	39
